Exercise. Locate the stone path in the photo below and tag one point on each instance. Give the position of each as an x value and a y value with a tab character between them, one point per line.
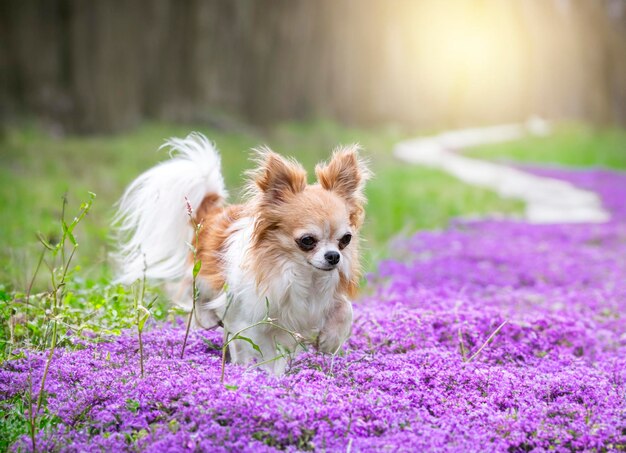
547	200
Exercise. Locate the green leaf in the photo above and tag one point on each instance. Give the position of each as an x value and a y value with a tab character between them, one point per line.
45	242
252	343
68	233
173	426
132	405
154	299
143	318
17	355
196	268
211	345
86	205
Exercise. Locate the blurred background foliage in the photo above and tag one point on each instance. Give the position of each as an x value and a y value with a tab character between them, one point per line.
38	170
89	91
105	65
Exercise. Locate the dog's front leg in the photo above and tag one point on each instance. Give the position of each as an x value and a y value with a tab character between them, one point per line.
337	326
270	350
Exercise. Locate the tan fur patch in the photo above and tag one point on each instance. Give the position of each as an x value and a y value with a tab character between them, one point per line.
346	175
216	221
283	203
274	232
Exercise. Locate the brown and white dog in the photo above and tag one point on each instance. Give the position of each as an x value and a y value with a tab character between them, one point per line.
291	246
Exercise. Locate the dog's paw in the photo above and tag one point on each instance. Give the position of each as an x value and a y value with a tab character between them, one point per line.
331	342
337	327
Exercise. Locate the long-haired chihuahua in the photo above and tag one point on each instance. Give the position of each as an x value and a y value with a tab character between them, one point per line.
288	255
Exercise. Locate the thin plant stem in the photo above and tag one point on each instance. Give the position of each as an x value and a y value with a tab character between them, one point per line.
55	291
139	303
196	269
495	332
67	265
462	346
31	415
265	362
182	352
193	306
63	223
295	335
223	357
32	280
47	368
266	321
140	353
57	294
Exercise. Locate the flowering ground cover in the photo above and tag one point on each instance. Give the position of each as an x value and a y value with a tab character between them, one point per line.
419	372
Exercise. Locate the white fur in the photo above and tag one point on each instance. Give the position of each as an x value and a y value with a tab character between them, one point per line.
155	232
299	299
153	223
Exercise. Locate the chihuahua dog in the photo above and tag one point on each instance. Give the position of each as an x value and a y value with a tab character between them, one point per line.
278	270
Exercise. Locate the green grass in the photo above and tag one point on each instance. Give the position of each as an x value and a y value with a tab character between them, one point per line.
404	199
570	144
37	169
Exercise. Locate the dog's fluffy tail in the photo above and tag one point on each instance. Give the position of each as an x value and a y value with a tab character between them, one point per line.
152	221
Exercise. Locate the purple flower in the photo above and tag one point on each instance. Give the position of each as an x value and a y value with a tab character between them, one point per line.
554	377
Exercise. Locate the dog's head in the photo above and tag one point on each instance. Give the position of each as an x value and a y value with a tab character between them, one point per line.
314	226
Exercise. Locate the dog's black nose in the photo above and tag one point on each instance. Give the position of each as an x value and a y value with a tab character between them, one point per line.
332	257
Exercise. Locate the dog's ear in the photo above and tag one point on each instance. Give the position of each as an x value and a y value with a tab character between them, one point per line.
345	174
275	177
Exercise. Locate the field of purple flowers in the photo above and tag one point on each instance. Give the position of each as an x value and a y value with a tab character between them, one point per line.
418	373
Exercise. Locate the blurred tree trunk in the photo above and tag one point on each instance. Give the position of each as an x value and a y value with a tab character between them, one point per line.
104	70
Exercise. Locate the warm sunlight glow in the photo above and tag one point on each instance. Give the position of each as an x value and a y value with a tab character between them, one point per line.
473	53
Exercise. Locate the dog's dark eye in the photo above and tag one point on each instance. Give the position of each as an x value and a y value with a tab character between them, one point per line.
306	243
345	240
